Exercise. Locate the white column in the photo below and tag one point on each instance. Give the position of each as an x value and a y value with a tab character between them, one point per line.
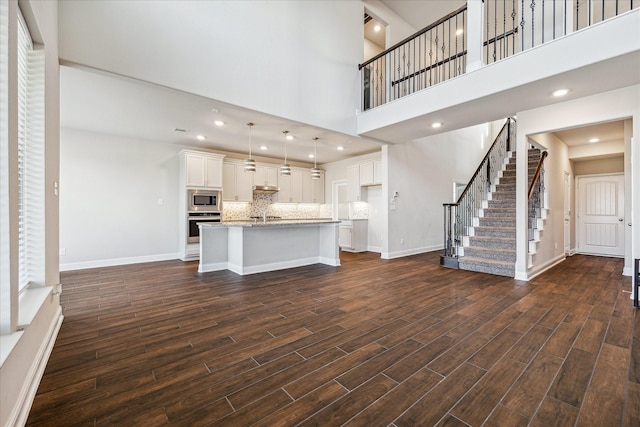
475	10
522	241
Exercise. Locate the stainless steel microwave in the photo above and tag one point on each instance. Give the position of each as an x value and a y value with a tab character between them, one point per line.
204	201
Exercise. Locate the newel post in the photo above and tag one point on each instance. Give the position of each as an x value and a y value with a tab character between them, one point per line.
475	11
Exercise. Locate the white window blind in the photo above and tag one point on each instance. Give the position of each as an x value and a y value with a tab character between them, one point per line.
30	160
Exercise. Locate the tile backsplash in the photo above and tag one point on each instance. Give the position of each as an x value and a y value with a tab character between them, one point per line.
265	202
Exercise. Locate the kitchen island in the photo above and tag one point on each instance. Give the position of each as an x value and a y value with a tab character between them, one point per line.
247	247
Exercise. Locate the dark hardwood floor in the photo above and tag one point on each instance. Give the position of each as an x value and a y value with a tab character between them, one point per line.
374	342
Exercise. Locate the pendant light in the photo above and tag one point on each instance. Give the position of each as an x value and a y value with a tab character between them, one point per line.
285	169
250	164
315	172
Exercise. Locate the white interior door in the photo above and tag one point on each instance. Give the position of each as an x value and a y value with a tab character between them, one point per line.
601	215
567	213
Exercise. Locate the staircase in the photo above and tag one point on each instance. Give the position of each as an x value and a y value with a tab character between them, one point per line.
491	244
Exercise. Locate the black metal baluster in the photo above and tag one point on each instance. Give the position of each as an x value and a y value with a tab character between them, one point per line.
487	12
533	27
543	27
522	24
513	26
553	34
495	29
430	57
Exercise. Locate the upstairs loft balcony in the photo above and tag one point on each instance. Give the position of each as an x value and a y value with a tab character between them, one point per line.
494	58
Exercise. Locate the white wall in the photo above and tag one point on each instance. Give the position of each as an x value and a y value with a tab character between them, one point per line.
598	166
551	246
423	172
109	201
613	105
293	59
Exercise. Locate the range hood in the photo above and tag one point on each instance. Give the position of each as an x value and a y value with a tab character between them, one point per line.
265	189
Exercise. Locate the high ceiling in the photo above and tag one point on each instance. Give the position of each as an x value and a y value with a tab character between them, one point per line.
105	103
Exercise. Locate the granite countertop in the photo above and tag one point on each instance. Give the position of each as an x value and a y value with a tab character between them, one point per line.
272	222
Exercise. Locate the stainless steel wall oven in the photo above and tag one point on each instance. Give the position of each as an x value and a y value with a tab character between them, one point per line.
194	218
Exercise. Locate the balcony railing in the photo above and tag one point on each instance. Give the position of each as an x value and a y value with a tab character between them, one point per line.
440	51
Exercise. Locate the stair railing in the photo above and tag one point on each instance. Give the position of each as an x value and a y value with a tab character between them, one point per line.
458	216
536	194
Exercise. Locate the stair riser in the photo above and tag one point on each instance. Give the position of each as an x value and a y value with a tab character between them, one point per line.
502	204
492	243
501	195
490	269
490	254
494	232
497	222
500	213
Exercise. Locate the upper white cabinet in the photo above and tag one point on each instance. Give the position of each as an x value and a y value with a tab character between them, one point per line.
366	173
266	175
202	169
312	189
377	172
290	187
353	183
362	174
237	183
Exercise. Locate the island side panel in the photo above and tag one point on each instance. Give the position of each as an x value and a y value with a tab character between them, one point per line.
275	248
213	249
328	246
236	247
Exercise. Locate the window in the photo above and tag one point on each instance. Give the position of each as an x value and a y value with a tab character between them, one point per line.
30	160
22	167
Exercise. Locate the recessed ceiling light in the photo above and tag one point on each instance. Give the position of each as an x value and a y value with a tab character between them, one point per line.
436	125
218	123
263	147
215	110
289	137
459	32
311	156
560	92
340	148
594	140
201	137
376	28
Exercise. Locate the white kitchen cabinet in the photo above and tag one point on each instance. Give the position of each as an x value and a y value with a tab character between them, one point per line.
353	183
203	169
366	173
377	172
312	189
237	183
353	235
290	187
266	175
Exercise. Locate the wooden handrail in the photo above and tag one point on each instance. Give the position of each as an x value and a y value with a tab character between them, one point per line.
536	176
482	163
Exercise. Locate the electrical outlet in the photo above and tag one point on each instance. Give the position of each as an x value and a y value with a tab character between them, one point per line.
402	241
63	251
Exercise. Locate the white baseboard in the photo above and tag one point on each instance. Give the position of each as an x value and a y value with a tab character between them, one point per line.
409	252
536	271
253	269
377	249
20	412
117	261
214	266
